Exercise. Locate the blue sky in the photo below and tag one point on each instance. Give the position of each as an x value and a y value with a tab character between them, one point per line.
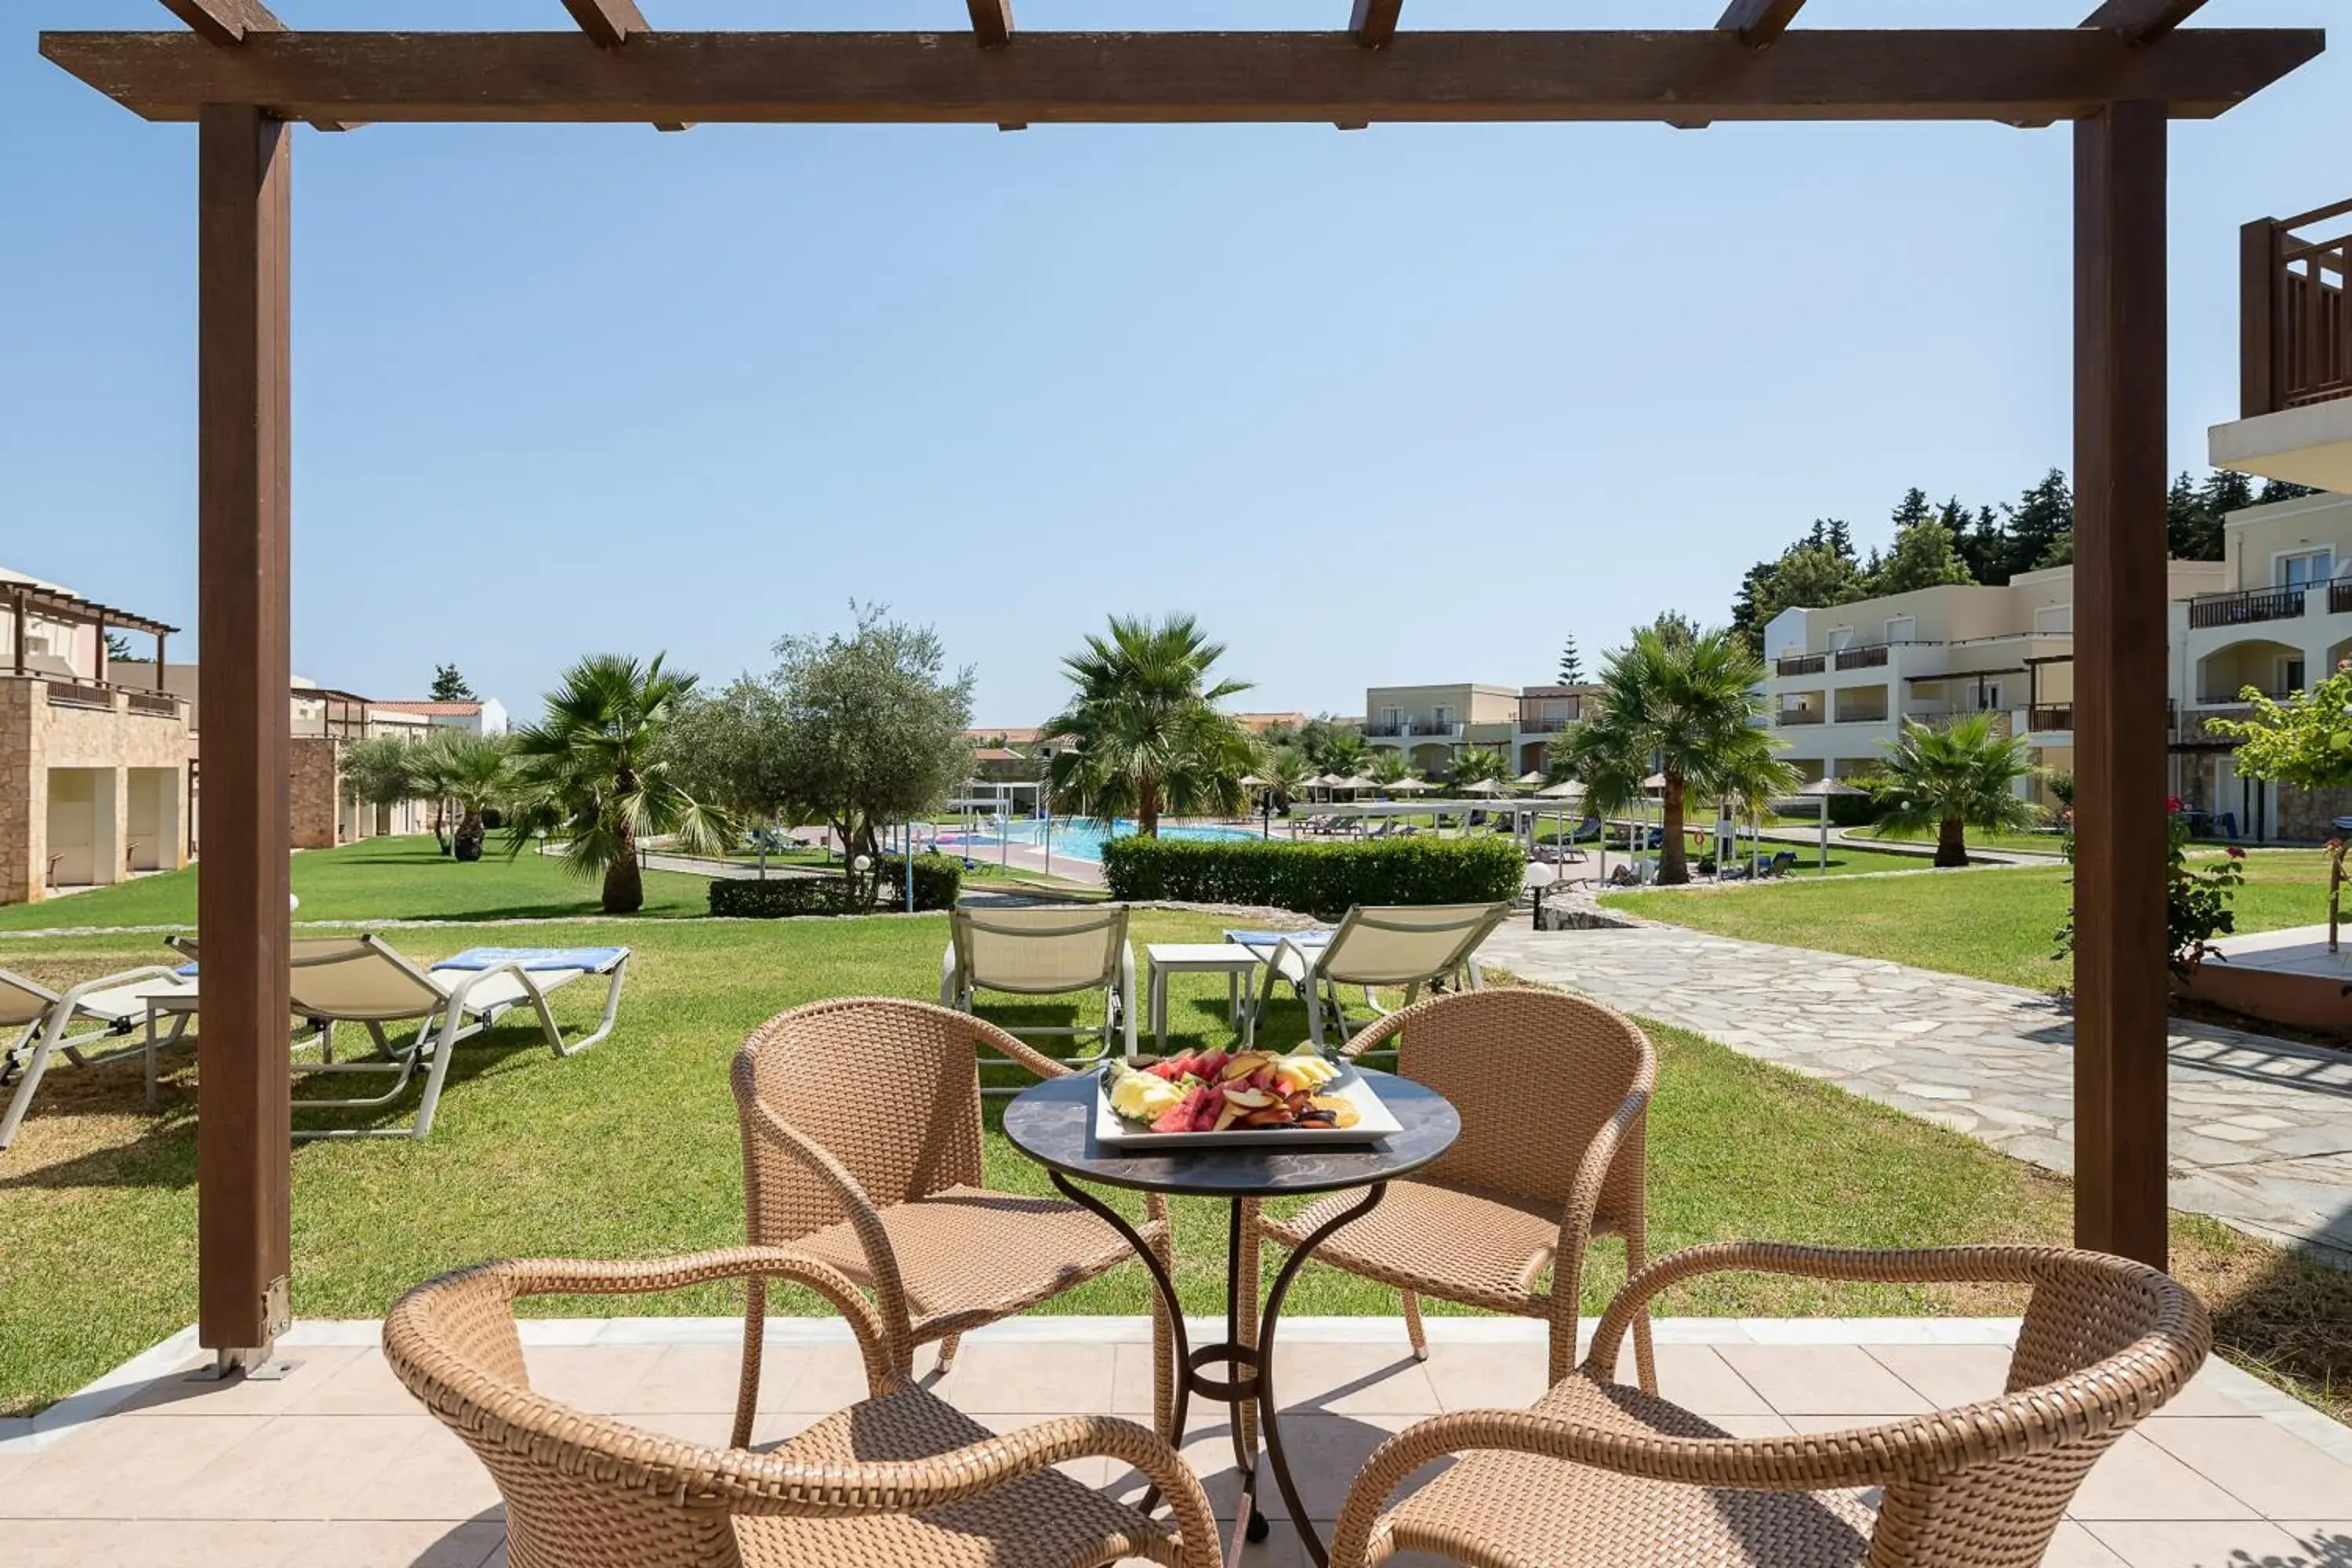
1404	405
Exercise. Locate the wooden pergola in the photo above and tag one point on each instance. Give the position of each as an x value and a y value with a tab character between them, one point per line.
2120	78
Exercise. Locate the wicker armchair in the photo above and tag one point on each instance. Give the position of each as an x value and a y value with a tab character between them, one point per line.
1554	1094
900	1478
1601	1474
862	1149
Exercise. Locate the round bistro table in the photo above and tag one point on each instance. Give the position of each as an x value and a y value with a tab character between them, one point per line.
1053	1124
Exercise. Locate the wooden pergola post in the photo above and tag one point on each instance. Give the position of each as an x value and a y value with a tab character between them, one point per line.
2119	673
242	563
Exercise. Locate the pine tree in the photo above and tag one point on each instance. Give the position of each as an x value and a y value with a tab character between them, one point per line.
1921	557
1571	668
448	686
1841	538
2042	516
1912	510
2191	532
2224	492
2280	489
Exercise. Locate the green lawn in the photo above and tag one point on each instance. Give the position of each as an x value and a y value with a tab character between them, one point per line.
2023	842
631	1149
1994	924
376	878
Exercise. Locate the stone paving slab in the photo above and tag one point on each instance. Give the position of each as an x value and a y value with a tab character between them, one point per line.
2262	1128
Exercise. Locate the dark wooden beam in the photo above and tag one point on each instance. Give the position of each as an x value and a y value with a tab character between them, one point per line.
609	22
1811	74
2120	948
2137	21
225	21
991	22
1759	23
244	478
1374	22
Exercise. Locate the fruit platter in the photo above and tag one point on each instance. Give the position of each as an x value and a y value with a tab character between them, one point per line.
1238	1099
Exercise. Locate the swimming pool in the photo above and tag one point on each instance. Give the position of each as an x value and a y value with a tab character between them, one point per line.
1081	838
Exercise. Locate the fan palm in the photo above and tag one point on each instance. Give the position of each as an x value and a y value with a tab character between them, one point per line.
1147	737
1952	777
1685	709
1344	753
1287	774
383	771
1479	765
595	770
473	773
1387	766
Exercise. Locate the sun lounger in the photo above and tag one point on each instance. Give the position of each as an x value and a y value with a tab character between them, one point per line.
113	1006
1406	945
362	980
1050	950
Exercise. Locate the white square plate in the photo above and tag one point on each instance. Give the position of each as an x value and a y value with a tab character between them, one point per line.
1375	1122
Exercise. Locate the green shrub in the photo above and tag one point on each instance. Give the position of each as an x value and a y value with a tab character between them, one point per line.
1319	879
938	881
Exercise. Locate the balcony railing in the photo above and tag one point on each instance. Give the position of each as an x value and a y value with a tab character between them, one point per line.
2339	596
1802	664
1788	716
2245	608
1543	723
2294	333
1410	727
2051	716
1862	657
80	694
162	704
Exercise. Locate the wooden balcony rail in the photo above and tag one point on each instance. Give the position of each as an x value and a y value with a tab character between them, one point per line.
162	704
2245	608
2294	334
80	694
1802	664
2051	716
2339	596
1861	658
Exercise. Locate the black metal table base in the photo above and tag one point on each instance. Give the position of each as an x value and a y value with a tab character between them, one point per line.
1248	1370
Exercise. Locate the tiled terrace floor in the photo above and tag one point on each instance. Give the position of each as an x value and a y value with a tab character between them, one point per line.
338	1465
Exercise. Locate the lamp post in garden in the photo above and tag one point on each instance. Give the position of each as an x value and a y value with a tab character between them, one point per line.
1538	875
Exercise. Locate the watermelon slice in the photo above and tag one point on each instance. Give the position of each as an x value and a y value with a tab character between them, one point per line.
1186	1115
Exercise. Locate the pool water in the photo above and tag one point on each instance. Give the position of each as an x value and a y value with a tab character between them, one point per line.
1081	838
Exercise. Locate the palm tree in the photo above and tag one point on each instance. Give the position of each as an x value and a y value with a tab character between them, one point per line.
1287	773
1147	736
1386	766
473	773
382	770
1683	708
1952	777
595	770
1479	765
1344	754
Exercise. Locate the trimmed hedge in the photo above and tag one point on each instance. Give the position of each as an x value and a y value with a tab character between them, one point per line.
1319	879
939	882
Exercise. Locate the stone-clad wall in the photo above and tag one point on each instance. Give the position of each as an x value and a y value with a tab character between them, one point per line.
36	736
314	778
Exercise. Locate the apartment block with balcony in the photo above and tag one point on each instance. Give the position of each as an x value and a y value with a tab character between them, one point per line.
1840	681
2281	619
93	768
1546	713
1430	725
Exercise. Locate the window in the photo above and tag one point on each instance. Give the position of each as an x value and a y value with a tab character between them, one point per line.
2289	672
1902	628
1840	636
2304	567
1989	697
2054	618
1443	716
1391	718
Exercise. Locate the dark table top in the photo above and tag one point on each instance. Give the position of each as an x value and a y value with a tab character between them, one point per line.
1053	1124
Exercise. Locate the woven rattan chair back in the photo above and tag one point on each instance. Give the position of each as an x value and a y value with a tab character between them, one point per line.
1399	944
2100	1334
581	1491
1039	951
890	1089
1535	1075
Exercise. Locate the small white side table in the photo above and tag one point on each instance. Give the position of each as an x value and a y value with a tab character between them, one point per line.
1237	964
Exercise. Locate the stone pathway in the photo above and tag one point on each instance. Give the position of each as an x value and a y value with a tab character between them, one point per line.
2262	1128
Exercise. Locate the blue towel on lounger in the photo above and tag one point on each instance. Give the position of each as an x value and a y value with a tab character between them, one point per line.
1271	938
594	960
